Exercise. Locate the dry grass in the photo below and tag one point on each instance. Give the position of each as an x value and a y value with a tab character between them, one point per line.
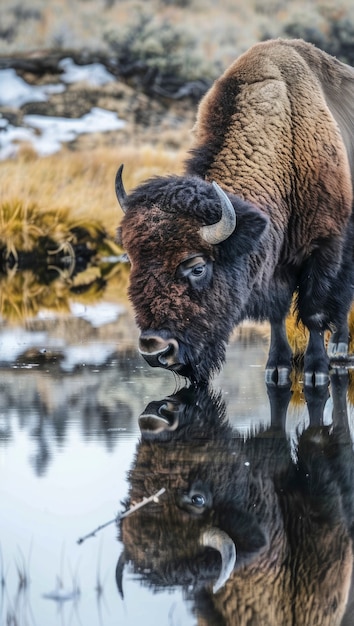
77	186
297	335
50	197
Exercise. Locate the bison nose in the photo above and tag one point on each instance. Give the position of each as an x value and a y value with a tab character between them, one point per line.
158	351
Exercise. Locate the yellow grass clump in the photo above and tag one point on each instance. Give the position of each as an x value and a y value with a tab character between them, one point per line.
24	225
84	182
62	200
297	334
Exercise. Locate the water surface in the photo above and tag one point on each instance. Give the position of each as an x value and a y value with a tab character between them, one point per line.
72	388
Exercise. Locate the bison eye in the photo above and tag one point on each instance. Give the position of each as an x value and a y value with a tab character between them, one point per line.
197	500
197	270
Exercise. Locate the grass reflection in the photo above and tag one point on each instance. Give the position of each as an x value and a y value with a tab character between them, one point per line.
25	293
58	217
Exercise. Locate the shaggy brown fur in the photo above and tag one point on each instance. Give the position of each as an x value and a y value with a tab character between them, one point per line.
281	147
276	131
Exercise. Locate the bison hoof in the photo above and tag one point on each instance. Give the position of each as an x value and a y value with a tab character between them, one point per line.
335	349
316	379
277	375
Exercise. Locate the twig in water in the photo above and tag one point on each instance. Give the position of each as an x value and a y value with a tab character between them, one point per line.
93	533
132	509
135	507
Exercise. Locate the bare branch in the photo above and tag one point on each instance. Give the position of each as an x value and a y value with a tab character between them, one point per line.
154	498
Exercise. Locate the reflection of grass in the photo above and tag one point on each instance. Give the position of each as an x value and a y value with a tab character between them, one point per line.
18	611
22	295
16	608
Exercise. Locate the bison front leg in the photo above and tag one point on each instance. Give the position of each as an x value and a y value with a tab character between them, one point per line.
338	343
279	362
324	298
316	362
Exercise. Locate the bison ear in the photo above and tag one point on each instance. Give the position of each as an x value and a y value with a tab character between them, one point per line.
251	224
245	530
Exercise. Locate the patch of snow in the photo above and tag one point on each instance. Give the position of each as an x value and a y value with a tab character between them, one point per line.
94	73
95	354
15	342
98	120
15	92
54	131
10	135
97	315
46	314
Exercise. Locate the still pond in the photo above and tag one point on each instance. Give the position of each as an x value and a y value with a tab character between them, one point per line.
88	430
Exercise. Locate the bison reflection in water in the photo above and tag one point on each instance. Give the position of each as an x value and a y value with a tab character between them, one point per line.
253	532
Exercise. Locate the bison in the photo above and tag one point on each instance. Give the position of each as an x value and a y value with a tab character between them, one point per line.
262	214
254	532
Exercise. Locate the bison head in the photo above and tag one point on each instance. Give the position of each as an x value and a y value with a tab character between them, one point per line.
217	501
189	244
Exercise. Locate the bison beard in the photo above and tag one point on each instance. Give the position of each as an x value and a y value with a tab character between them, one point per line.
263	213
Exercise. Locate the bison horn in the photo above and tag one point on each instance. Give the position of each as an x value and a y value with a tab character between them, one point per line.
120	191
221	230
119	573
219	540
